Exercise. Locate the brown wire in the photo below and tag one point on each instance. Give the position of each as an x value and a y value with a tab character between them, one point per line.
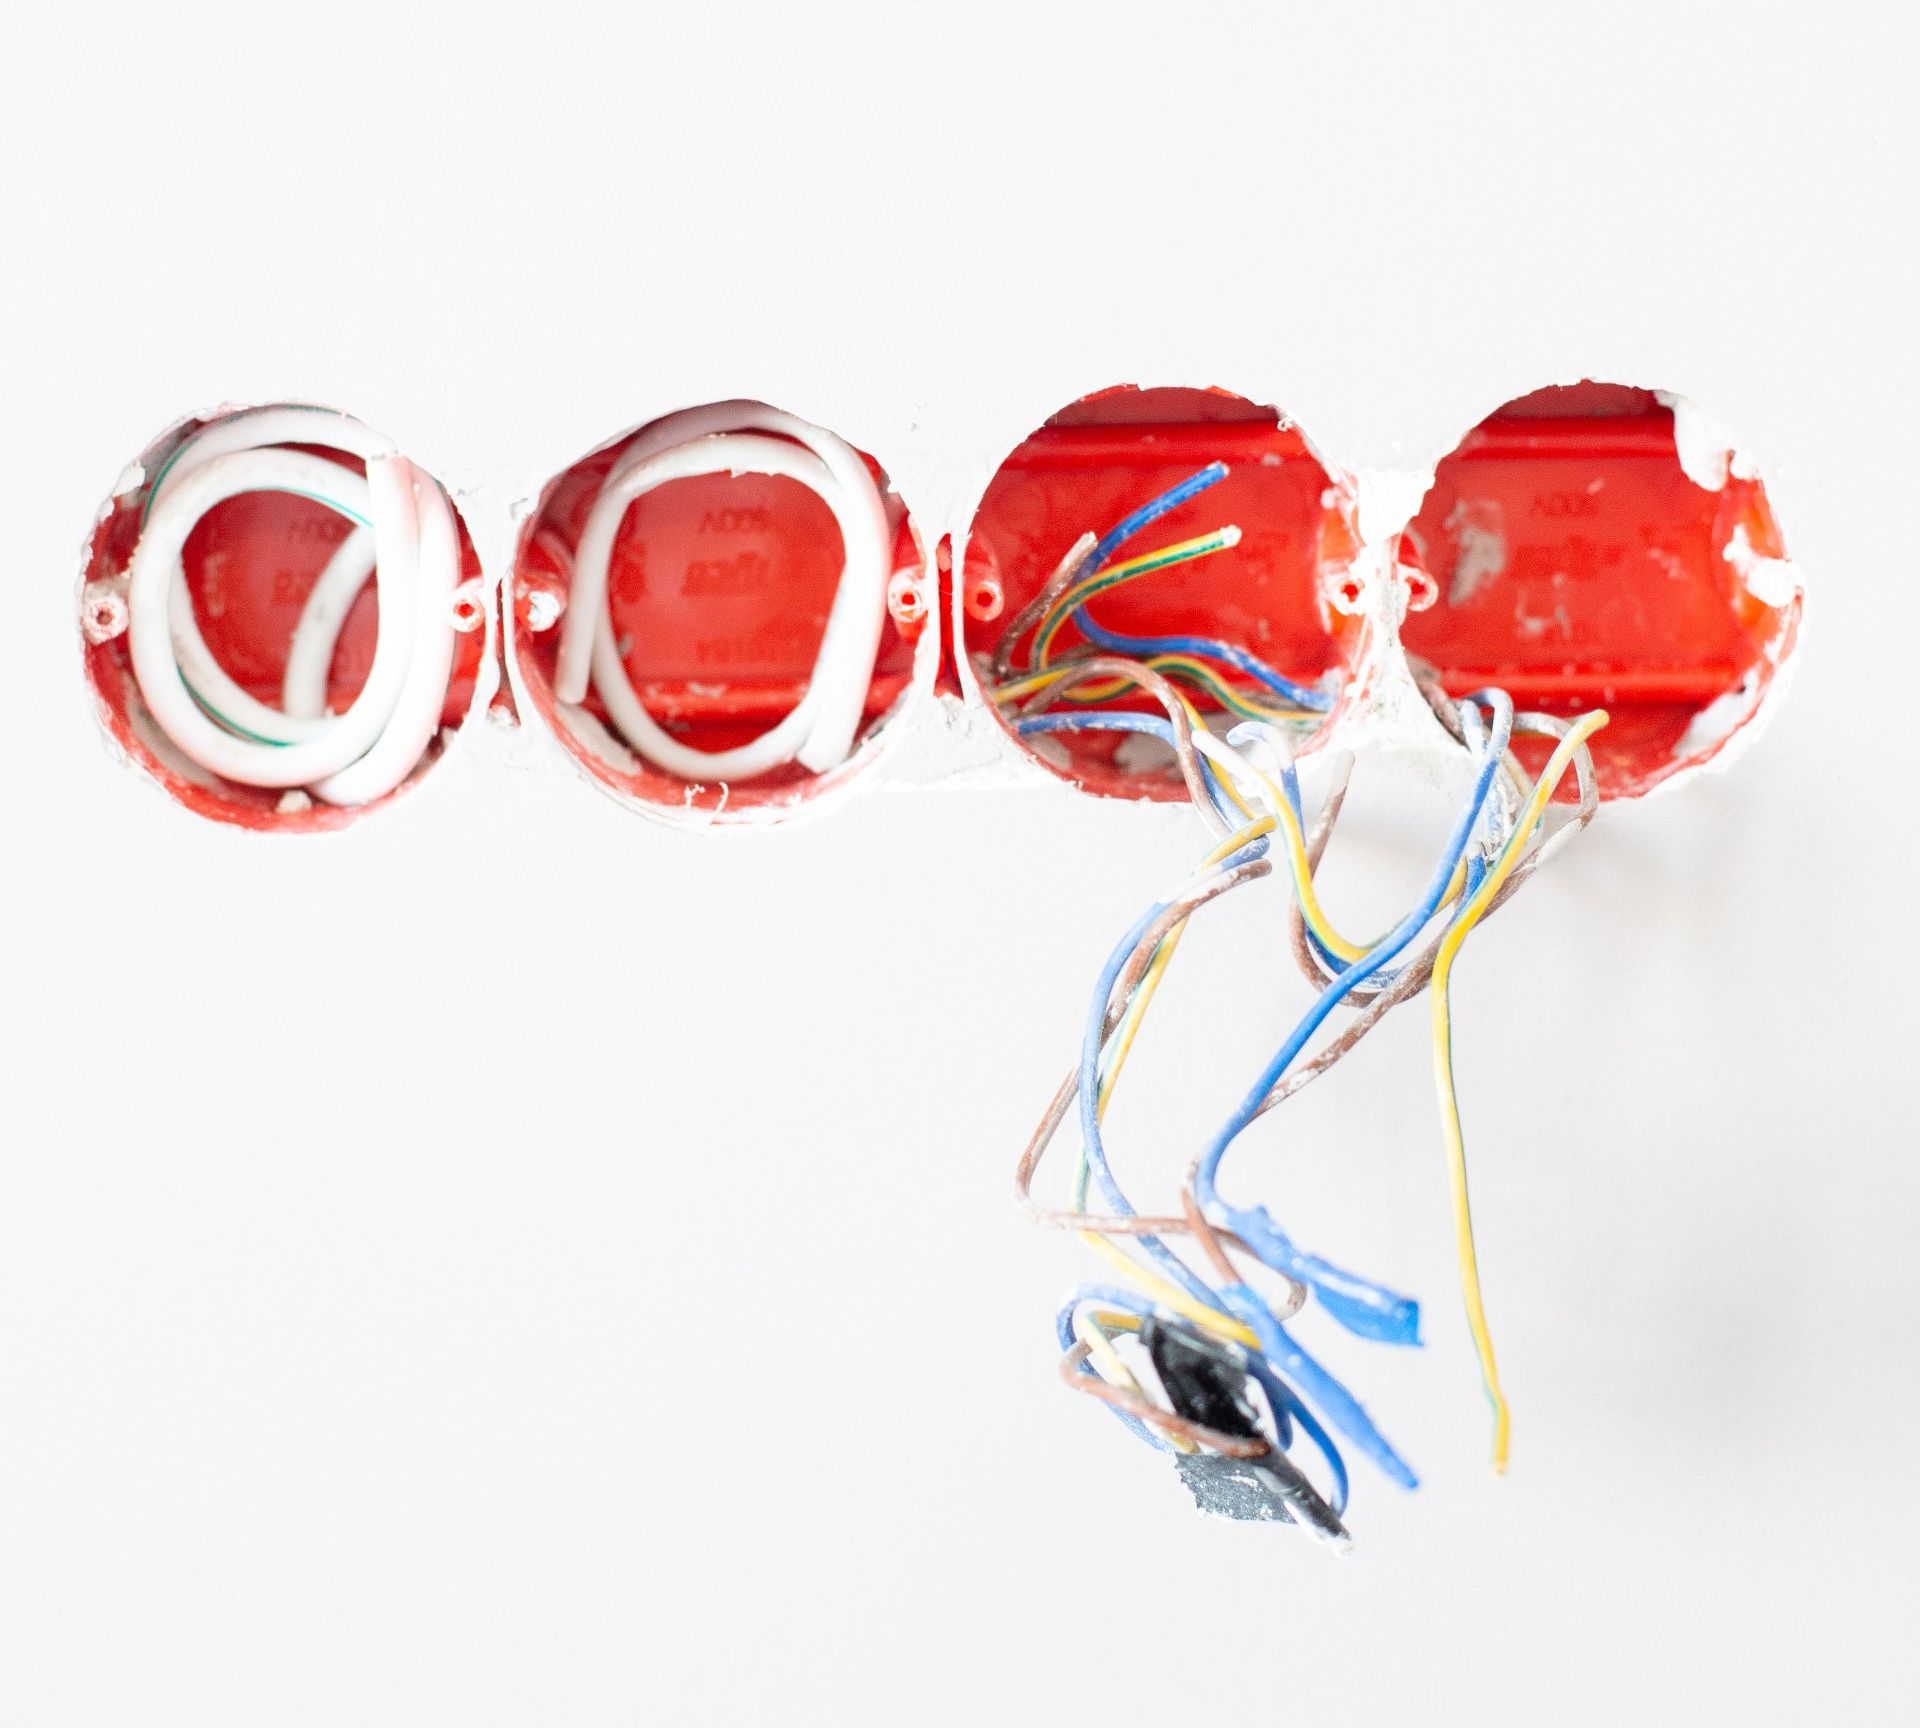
1093	667
1413	979
1420	972
1417	976
1426	678
1176	913
1313	965
1065	574
1209	1239
1229	1445
1303	952
1114	1224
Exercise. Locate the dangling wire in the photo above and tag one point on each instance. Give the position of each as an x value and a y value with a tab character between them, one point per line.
1488	853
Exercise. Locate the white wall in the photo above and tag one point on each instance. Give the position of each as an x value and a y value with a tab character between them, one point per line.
510	1264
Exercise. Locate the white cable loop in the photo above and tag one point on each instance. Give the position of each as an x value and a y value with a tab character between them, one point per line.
405	537
737	438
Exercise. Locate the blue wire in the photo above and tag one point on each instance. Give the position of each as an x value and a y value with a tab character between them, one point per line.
1376	957
1287	1403
1143	647
1238	735
1153	725
1092	1045
1361	1307
1357	1303
1287	1356
1353	1300
1148	513
1335	1288
1477	866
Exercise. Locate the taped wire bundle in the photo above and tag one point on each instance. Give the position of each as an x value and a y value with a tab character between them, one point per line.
737	438
404	538
1213	1338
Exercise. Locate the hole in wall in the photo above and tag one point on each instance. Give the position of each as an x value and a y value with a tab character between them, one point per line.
231	611
1596	545
1104	457
759	629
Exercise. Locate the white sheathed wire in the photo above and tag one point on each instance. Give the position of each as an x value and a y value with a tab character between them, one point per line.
738	438
405	537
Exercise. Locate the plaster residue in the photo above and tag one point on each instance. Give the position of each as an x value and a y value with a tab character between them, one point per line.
1718	721
1481	547
1708	455
953	741
1383	717
1771	581
1386	500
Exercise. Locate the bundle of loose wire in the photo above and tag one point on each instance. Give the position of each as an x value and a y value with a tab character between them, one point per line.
405	539
737	438
1201	665
1497	840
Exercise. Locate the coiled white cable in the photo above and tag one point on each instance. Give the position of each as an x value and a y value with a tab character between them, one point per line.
405	537
738	438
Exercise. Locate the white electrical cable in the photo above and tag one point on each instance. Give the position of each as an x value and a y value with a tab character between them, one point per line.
405	537
737	438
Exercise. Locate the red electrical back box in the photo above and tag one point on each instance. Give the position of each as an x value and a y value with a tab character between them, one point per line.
1573	562
1575	549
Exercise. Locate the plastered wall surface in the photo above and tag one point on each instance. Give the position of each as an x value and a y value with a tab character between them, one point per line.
512	1263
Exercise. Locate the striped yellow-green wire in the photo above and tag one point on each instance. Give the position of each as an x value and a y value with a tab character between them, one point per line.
1196	672
1470	914
1112	575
